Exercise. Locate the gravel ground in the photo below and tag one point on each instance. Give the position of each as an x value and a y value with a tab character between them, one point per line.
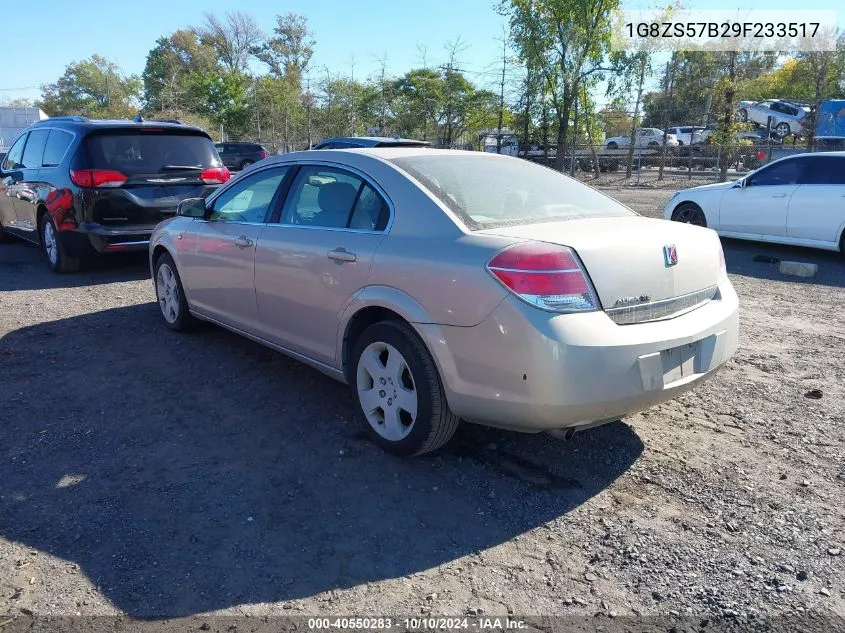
157	475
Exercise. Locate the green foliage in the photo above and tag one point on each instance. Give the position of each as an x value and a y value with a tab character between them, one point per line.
288	52
94	88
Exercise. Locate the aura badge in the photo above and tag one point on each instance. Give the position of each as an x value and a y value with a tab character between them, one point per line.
670	255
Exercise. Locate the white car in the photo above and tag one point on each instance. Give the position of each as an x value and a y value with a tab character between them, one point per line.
787	117
796	200
645	137
686	134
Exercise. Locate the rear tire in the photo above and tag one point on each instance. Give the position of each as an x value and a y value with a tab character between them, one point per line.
54	251
398	391
690	213
171	296
782	130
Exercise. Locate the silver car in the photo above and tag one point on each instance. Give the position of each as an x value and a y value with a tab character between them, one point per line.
787	117
444	285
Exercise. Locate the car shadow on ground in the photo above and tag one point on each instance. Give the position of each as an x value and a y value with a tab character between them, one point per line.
188	473
22	267
740	259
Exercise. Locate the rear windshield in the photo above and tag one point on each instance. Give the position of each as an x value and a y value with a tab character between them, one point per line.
150	152
488	192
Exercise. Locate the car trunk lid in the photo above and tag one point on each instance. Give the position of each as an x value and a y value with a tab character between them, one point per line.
642	269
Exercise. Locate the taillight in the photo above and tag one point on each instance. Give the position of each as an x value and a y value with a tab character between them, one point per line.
215	175
545	275
97	178
263	154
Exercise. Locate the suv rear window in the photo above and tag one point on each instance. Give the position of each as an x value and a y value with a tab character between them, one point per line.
150	152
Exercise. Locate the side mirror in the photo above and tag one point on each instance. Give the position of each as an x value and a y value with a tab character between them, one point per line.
191	208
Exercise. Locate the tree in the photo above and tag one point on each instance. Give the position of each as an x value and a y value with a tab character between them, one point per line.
288	52
233	38
418	98
566	40
172	68
95	88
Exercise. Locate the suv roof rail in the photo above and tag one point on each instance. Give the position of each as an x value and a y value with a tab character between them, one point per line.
74	117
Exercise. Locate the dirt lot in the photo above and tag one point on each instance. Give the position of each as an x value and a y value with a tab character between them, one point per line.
160	475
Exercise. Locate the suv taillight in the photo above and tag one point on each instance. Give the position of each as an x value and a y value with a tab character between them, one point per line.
215	175
93	178
263	154
548	276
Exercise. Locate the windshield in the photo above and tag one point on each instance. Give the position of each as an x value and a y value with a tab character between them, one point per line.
488	192
151	152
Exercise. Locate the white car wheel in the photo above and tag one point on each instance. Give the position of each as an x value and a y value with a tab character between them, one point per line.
387	391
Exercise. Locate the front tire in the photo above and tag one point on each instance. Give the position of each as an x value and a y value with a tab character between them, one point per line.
171	296
398	391
690	213
54	251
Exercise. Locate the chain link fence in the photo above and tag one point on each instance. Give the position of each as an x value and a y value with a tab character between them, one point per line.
695	164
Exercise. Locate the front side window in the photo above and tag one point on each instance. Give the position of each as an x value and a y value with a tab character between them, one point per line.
14	159
486	191
250	199
333	198
785	172
34	150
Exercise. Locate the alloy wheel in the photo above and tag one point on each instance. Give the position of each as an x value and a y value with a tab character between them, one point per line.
167	290
386	391
50	245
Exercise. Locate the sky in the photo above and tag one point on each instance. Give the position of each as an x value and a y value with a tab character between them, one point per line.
345	30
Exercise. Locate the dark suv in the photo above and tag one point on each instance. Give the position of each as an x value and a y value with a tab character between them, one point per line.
78	187
240	155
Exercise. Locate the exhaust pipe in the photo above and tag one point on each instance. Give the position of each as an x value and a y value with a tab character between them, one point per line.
562	434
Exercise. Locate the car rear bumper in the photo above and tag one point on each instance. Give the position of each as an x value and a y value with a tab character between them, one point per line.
96	238
525	369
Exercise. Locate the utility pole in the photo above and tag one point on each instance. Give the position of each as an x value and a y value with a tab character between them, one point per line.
352	98
308	106
526	126
502	92
381	124
257	111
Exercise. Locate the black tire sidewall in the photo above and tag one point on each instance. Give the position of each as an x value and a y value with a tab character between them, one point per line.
397	335
64	263
184	320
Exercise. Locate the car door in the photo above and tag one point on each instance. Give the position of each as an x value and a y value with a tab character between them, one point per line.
317	256
221	270
760	207
12	175
817	208
26	198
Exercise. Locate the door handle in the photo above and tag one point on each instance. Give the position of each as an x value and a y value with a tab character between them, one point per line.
341	255
779	195
242	241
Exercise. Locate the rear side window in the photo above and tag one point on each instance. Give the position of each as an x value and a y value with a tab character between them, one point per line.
151	152
333	198
34	150
57	145
823	170
487	191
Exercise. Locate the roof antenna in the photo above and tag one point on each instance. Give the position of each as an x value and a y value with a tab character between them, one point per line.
138	118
